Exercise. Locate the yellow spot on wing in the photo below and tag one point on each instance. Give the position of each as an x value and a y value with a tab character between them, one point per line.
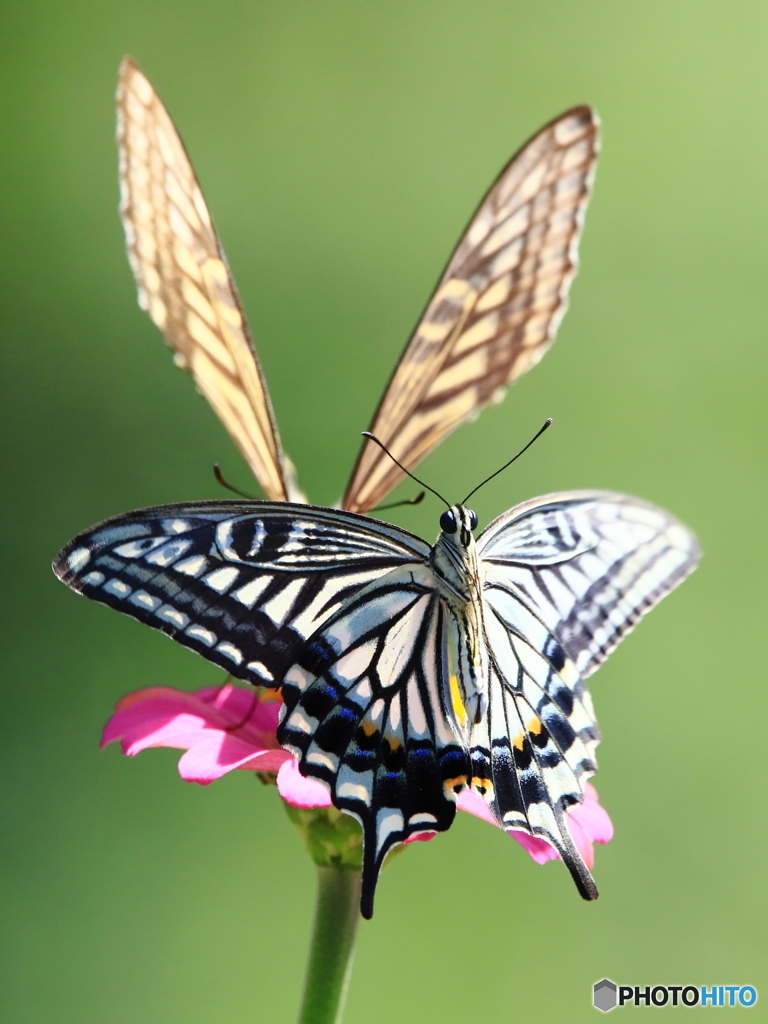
458	704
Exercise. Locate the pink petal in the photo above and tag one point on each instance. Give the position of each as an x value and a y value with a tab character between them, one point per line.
218	754
581	840
221	728
588	823
267	761
161	716
539	849
181	731
251	712
592	817
144	718
471	802
150	693
299	791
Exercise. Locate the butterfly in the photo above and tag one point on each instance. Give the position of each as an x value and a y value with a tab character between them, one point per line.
492	316
409	671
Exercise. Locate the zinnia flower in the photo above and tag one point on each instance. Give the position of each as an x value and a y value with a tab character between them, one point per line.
222	728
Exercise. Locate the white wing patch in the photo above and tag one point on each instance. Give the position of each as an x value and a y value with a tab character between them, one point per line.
591	562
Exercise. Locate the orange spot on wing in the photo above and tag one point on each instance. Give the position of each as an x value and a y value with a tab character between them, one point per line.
453	786
484	786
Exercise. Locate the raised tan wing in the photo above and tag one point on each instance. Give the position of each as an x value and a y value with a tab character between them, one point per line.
184	282
496	308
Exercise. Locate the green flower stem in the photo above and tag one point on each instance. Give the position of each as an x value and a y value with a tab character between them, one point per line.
333	942
334	841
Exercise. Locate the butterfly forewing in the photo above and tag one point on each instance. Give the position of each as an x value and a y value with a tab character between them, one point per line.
592	562
496	308
184	283
241	583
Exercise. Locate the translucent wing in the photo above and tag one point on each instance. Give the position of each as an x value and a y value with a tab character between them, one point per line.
368	713
184	283
241	583
496	308
564	578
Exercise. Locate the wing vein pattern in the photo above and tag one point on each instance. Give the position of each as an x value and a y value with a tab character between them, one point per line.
497	307
184	282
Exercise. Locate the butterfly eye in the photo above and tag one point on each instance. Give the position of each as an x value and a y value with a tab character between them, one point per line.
472	520
448	522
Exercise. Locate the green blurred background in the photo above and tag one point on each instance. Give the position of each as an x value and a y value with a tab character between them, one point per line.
342	147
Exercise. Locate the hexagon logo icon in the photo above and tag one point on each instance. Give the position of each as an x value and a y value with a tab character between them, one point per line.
604	995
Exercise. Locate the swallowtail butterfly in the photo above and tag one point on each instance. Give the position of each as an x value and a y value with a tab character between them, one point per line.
408	671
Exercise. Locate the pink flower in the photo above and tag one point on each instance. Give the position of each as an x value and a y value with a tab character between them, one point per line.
588	824
226	727
221	728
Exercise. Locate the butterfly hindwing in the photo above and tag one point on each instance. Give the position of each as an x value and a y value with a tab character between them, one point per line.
368	713
241	583
565	577
535	746
497	307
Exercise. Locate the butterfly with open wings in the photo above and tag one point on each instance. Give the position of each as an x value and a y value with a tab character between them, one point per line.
409	671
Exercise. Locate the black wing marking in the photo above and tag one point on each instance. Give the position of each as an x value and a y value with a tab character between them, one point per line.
565	577
592	562
535	746
241	583
368	713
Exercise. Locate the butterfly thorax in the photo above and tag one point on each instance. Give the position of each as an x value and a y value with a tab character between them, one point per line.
453	560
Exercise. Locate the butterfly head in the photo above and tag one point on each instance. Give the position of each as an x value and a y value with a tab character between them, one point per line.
457	524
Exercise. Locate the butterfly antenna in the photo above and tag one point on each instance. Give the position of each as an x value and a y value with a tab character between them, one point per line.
220	479
396	504
547	424
372	437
